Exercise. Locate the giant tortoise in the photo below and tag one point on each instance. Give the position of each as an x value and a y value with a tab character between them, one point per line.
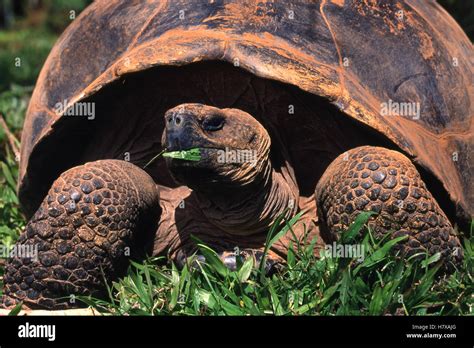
329	108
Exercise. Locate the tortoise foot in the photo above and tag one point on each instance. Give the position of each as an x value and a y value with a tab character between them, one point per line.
232	258
81	236
385	182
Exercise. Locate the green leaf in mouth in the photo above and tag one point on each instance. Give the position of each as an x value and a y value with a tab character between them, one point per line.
186	155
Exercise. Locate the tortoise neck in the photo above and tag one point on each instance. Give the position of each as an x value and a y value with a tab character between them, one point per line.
250	209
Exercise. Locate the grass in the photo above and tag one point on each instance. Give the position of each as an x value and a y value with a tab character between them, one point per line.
381	284
12	221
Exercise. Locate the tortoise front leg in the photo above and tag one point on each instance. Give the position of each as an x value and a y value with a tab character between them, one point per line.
83	231
386	182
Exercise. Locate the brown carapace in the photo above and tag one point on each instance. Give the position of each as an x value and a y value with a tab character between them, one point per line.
345	106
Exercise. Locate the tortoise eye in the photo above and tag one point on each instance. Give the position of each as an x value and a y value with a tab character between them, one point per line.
213	123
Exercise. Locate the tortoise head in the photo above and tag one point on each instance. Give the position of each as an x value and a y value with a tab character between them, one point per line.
234	147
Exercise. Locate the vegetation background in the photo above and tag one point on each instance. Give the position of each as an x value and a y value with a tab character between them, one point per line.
28	30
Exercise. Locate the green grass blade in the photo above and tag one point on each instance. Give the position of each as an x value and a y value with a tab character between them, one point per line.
15	310
8	175
175	286
379	254
185	155
355	227
272	237
245	270
213	260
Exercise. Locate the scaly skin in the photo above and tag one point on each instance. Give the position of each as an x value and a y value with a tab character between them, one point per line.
91	214
375	179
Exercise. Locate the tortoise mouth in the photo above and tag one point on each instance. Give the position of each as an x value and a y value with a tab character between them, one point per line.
210	165
197	157
177	148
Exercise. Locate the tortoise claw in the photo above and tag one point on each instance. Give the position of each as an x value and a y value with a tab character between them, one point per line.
231	260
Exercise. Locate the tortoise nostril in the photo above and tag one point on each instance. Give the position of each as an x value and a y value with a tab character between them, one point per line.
177	120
